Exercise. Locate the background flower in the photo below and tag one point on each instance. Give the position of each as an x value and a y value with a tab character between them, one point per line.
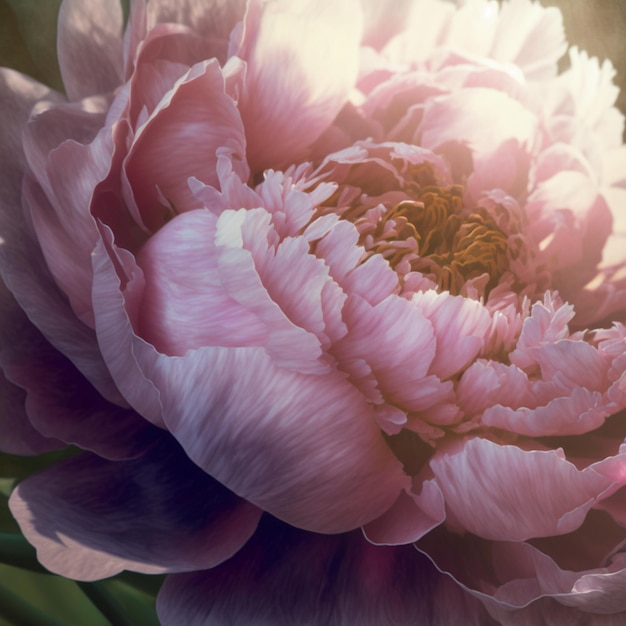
169	244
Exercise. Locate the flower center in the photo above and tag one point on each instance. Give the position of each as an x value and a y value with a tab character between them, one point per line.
433	236
431	232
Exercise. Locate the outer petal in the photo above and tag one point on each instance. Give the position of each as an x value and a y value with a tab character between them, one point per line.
285	577
505	493
17	434
584	569
21	263
214	19
90	47
294	87
90	518
65	228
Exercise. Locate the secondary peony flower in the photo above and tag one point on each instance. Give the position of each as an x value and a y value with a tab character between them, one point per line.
286	270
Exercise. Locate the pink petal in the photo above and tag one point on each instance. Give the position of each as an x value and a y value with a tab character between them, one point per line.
214	19
180	140
487	487
531	37
90	47
484	119
65	228
398	344
289	76
581	412
460	326
184	304
258	429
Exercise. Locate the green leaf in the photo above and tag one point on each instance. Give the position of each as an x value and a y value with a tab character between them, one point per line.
16	551
31	599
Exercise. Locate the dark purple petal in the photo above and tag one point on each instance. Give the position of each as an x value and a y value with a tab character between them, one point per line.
285	576
17	434
90	518
60	403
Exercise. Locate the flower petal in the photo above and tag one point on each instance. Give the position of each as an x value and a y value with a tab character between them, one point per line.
502	492
287	577
193	120
90	47
304	447
290	77
90	518
22	266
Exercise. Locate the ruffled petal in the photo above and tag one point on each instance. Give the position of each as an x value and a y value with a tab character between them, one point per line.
90	518
303	447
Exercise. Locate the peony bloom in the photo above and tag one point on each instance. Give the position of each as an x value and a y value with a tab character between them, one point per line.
331	308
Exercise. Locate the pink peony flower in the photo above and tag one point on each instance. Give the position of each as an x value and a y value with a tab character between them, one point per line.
284	273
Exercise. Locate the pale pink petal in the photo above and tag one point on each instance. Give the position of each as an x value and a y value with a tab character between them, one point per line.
289	76
372	280
546	325
576	414
430	19
211	19
185	305
460	326
192	122
487	487
383	18
530	36
258	429
483	119
90	47
398	354
488	383
242	255
300	284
